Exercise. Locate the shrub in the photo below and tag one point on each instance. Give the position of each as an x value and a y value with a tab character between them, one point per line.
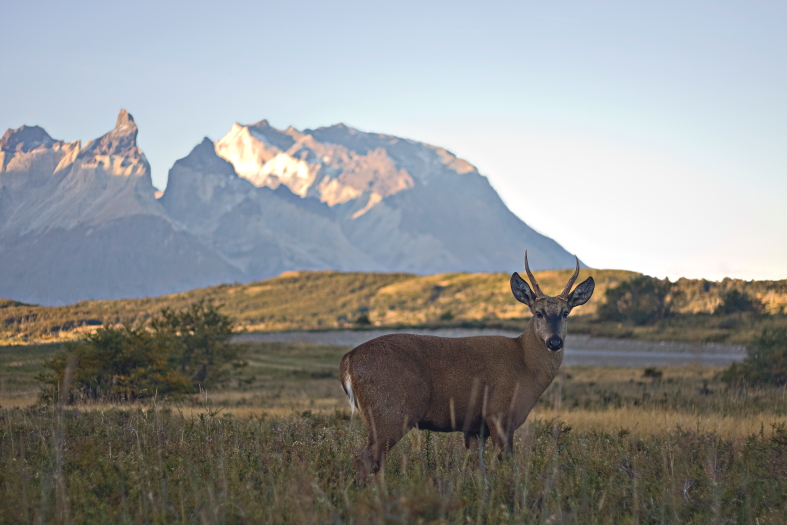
765	362
735	301
641	300
119	363
448	315
199	337
176	352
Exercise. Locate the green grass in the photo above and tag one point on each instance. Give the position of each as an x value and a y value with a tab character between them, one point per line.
19	366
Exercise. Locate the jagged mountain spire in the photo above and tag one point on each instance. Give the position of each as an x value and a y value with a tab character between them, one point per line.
124	117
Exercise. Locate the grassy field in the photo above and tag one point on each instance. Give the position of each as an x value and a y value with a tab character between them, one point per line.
276	445
331	300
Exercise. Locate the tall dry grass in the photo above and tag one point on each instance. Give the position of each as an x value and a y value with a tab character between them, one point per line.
159	466
277	445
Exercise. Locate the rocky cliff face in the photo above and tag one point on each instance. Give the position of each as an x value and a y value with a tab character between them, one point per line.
407	205
263	232
83	222
331	173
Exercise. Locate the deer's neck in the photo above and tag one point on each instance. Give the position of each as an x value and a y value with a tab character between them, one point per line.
542	363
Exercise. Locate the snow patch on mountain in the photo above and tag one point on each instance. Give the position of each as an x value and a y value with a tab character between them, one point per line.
332	173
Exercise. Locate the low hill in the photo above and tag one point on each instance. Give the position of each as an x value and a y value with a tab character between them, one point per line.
331	300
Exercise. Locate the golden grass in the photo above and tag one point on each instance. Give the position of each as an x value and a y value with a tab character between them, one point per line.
646	422
283	379
329	300
277	445
27	399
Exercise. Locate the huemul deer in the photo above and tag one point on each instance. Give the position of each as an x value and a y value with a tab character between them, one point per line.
482	386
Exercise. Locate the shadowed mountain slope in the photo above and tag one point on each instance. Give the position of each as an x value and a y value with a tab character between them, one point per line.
83	223
407	205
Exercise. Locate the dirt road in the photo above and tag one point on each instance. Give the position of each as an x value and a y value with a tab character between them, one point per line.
580	349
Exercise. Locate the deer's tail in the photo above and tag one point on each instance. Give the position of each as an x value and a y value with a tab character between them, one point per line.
347	383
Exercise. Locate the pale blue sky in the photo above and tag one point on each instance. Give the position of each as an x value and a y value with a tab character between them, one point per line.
645	137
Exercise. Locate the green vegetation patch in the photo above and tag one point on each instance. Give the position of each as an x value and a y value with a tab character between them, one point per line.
177	352
765	362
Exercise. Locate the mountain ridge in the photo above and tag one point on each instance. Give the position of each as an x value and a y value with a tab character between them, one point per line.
257	202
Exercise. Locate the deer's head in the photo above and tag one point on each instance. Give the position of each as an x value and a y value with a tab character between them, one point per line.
550	313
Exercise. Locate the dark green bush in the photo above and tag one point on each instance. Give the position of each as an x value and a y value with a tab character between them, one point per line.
175	352
199	337
735	301
765	362
641	300
118	363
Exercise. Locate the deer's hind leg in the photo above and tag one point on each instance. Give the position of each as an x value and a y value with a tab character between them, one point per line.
383	435
387	423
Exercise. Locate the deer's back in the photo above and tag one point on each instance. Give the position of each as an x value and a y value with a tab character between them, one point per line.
434	371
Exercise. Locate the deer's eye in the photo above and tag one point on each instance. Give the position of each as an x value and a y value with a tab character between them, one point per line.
539	315
565	314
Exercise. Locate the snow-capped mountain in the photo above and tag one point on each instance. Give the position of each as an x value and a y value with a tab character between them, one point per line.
83	222
409	206
332	173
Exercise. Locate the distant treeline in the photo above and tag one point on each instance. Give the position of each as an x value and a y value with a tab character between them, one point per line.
625	304
643	300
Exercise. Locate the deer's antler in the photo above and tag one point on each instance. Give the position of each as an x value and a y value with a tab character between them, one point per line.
533	282
567	290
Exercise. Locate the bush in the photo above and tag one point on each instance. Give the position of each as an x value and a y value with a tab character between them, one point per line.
119	363
735	301
176	352
765	362
199	337
641	300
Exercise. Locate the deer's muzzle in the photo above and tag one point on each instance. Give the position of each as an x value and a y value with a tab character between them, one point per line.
555	343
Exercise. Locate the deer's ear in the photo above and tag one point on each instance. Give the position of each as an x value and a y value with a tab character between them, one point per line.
582	293
521	290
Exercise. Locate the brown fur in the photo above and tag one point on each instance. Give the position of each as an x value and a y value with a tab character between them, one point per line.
481	386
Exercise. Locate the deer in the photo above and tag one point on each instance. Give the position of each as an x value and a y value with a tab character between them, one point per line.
483	386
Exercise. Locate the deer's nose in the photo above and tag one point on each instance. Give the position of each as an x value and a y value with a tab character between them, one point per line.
555	343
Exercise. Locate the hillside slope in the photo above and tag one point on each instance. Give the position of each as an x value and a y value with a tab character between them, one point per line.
330	300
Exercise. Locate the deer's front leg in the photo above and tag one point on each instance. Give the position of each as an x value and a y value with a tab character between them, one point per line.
502	434
472	441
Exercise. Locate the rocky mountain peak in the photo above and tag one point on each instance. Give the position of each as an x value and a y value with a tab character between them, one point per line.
116	152
124	117
30	149
120	141
25	139
330	172
203	158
